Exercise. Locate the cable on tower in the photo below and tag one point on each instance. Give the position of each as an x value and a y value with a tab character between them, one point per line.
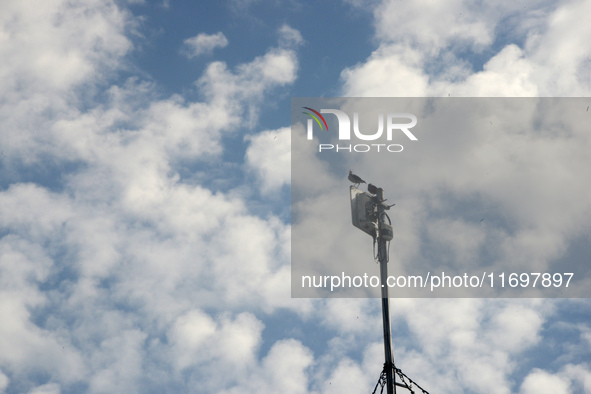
407	382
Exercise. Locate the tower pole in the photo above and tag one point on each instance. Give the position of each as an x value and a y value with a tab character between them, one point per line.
383	259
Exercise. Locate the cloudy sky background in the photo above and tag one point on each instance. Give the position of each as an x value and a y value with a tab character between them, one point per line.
144	204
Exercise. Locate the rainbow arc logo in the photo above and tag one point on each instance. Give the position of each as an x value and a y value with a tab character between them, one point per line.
316	117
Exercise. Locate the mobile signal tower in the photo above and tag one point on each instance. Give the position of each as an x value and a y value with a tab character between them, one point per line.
368	212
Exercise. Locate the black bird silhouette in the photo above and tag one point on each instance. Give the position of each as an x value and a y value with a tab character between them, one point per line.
355	179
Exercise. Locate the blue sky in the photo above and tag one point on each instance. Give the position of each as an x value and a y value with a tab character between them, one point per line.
145	183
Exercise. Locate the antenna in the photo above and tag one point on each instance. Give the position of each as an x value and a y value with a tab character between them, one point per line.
368	213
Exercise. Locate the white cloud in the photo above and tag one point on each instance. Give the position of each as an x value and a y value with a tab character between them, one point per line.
472	338
198	340
437	49
49	388
276	67
541	382
579	375
288	36
117	364
506	74
463	239
24	346
456	48
125	273
283	369
3	382
357	316
346	377
269	155
421	44
204	43
389	71
49	46
127	252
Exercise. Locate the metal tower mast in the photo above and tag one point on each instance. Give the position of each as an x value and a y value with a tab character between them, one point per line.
382	237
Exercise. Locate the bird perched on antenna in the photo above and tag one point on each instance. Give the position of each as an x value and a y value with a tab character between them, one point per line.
355	179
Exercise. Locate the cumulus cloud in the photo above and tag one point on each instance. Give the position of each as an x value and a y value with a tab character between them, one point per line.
269	155
457	49
203	44
207	347
112	255
542	382
288	36
288	373
49	388
63	46
124	269
3	381
426	53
